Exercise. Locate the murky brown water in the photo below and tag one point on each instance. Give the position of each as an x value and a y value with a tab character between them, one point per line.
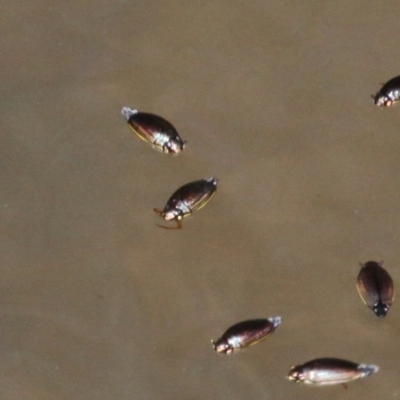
96	302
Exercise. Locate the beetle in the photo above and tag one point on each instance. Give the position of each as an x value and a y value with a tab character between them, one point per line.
245	334
389	93
375	286
330	371
186	200
155	130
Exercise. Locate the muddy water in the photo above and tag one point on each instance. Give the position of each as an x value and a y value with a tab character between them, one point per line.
96	302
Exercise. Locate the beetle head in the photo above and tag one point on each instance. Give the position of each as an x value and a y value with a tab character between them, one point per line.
381	100
222	347
295	374
174	146
170	214
380	310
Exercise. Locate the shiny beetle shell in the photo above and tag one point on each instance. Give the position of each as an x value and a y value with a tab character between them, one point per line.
186	200
389	94
375	287
155	130
244	334
330	371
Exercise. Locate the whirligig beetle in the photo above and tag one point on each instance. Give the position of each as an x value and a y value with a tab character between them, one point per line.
244	334
375	287
330	371
186	200
155	130
389	93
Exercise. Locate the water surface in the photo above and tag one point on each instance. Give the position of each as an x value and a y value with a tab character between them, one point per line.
96	302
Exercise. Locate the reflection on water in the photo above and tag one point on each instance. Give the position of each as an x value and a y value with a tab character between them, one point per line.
274	100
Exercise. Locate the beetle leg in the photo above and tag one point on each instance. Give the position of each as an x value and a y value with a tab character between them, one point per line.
158	211
171	227
344	385
178	225
166	148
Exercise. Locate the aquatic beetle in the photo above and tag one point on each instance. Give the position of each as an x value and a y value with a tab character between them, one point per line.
389	94
330	371
155	130
186	200
244	334
375	287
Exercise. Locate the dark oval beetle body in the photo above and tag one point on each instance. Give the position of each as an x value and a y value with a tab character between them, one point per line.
155	130
330	371
245	334
186	200
375	287
389	94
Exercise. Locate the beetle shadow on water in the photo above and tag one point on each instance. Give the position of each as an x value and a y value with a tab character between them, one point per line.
98	302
